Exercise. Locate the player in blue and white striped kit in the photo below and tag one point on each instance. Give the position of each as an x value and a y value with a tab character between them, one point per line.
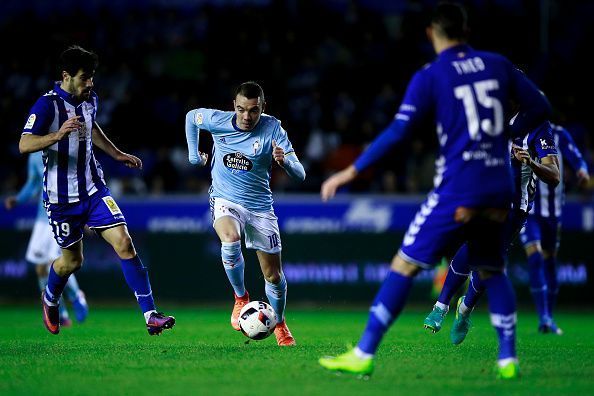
540	236
246	142
533	158
468	92
43	249
62	125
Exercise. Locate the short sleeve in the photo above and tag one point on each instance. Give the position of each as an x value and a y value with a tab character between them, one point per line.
40	117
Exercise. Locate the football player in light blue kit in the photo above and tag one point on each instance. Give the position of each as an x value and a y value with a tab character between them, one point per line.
246	142
540	236
42	248
468	92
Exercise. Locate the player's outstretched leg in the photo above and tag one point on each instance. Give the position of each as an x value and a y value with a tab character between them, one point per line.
136	275
386	307
234	265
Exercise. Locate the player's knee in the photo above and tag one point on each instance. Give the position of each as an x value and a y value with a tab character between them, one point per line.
230	236
404	267
124	247
548	253
72	263
273	276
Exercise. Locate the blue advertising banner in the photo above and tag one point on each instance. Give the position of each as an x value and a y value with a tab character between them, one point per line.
298	214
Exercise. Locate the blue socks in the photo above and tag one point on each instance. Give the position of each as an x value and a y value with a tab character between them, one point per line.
550	275
277	296
476	288
137	278
386	307
234	265
457	275
502	305
537	285
55	286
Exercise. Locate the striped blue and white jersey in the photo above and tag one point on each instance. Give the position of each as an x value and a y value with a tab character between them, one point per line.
71	172
242	160
32	187
549	200
539	143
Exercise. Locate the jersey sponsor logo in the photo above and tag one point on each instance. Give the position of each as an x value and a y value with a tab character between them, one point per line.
237	163
112	205
199	118
30	121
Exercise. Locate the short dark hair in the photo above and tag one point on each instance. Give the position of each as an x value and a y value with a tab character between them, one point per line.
451	19
251	90
75	58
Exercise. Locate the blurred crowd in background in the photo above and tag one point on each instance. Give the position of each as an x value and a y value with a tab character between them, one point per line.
334	72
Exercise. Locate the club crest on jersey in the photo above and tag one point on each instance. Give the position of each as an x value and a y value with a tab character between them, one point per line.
256	146
112	205
237	163
30	121
545	145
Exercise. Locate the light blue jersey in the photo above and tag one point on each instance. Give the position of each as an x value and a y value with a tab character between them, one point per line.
33	185
241	160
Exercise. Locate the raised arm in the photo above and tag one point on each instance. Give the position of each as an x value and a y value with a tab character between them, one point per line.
289	162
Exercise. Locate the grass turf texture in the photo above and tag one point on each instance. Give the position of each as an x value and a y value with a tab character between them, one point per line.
112	354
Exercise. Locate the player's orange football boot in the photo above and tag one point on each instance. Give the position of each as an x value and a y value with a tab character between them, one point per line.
239	304
283	335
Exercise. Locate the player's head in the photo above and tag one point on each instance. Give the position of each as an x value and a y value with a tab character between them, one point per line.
449	22
77	68
249	105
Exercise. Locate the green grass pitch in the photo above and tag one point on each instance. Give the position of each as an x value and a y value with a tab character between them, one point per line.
111	354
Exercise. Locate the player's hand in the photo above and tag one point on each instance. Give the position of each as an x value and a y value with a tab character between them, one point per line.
278	154
521	155
329	187
583	178
203	158
10	202
131	161
72	124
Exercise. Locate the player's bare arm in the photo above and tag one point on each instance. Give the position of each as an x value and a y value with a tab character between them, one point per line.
102	141
30	143
546	170
337	180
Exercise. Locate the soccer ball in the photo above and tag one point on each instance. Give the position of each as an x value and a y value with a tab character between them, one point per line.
257	320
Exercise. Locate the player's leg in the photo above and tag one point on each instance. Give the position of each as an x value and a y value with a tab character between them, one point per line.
59	272
531	239
487	246
550	245
458	273
105	217
228	223
136	275
433	234
262	233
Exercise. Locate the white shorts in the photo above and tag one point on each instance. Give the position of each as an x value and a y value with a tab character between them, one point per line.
260	228
42	247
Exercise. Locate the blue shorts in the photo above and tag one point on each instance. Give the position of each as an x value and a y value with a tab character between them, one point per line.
543	229
99	211
434	233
